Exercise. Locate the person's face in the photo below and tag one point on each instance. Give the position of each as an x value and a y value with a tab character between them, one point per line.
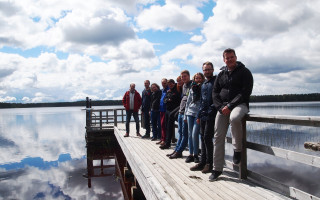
185	78
154	88
171	85
230	59
179	81
146	84
164	83
198	79
207	71
132	87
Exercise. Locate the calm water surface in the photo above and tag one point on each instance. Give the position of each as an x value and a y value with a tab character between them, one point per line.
43	153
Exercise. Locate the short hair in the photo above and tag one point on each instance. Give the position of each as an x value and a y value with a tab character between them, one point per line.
200	74
164	79
229	50
185	72
147	81
156	85
171	81
132	84
207	63
179	77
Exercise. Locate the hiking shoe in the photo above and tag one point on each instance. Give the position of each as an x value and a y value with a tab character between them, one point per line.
197	167
146	136
170	154
126	135
164	146
196	159
214	176
189	159
236	158
176	155
207	168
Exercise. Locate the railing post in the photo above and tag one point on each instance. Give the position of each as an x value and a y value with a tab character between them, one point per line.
122	115
243	164
115	116
100	119
88	113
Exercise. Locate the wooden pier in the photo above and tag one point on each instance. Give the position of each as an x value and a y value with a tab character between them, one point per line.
146	173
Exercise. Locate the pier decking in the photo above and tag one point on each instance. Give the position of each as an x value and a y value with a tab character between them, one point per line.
145	172
162	178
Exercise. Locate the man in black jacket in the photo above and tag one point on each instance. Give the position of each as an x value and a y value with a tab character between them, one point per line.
231	93
205	117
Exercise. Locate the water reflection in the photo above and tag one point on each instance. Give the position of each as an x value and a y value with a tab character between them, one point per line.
44	156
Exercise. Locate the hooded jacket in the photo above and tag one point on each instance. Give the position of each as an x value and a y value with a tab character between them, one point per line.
232	88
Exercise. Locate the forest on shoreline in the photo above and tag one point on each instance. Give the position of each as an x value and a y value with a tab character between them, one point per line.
253	98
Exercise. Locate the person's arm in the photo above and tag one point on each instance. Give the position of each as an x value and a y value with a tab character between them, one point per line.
124	100
216	89
246	90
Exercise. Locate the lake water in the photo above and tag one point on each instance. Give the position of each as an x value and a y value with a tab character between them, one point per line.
43	152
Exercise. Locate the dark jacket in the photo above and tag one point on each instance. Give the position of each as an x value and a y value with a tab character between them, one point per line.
146	100
155	100
172	99
184	96
207	110
137	101
162	104
232	89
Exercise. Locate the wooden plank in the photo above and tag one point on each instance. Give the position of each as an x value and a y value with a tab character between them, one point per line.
286	154
300	195
148	184
285	119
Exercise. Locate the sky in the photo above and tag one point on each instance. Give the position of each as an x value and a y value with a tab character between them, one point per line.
57	50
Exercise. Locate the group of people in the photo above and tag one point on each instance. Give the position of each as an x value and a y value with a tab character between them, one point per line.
205	105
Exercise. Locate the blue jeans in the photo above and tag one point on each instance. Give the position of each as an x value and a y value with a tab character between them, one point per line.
146	116
193	134
156	125
128	118
183	134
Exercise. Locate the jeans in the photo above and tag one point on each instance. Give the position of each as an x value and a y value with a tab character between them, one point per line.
183	134
193	135
206	133
156	125
222	124
146	116
163	125
128	118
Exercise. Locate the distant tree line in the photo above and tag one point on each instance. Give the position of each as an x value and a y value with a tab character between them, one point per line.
286	98
61	104
253	98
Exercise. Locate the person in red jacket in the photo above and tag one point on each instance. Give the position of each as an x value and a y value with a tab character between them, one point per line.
132	103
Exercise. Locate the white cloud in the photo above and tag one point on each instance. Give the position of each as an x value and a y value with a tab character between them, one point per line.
170	16
197	38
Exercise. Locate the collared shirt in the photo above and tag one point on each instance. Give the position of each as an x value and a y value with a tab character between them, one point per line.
131	101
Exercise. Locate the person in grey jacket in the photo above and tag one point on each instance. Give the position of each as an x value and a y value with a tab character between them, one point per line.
190	116
231	93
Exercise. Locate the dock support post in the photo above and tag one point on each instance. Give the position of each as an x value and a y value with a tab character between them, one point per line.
243	164
115	118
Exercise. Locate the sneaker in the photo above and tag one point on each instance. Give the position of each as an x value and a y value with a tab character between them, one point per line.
170	154
207	168
174	140
153	139
189	159
164	146
159	142
196	159
236	158
176	155
138	134
197	167
214	176
126	135
146	136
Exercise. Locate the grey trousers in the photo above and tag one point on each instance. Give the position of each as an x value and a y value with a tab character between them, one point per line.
221	127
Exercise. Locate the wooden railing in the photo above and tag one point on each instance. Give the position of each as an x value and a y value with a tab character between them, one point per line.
100	119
